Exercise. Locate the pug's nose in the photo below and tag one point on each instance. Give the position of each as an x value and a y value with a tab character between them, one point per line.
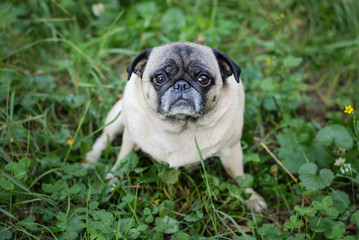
181	86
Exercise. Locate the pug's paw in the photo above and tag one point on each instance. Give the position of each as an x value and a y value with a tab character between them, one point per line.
91	157
85	164
112	179
255	202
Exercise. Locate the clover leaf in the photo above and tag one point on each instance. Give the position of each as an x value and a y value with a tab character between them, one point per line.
335	134
326	206
311	180
6	184
194	217
170	176
268	231
355	218
293	222
291	61
19	169
167	225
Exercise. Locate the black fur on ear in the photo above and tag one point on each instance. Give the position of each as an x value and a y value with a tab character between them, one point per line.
138	64
226	65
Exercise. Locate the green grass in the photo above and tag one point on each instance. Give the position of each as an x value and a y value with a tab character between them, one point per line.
62	69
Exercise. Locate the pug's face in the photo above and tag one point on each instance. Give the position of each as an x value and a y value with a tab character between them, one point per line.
183	80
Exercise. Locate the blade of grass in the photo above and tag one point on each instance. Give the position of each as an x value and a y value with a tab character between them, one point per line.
78	129
203	167
232	220
6	213
101	128
23	230
43	175
205	177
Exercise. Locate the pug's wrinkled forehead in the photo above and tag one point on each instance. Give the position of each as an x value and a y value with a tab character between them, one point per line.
189	57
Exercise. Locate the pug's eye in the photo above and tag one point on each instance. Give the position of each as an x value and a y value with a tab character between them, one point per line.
160	78
204	80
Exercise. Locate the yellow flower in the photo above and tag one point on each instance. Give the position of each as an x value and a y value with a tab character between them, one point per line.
348	109
268	60
70	142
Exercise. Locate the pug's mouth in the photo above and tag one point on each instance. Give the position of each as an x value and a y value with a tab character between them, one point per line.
182	109
181	104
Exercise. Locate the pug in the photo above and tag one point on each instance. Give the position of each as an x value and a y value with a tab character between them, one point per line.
178	94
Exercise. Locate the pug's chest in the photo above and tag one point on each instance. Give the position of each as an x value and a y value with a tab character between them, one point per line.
175	157
177	150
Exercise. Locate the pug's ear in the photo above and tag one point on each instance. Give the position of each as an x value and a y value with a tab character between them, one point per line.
139	63
227	66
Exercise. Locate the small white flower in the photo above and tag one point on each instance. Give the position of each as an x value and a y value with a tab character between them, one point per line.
97	9
339	162
346	168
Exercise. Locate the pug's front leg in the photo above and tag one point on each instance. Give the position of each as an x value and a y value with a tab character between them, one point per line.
231	159
127	146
